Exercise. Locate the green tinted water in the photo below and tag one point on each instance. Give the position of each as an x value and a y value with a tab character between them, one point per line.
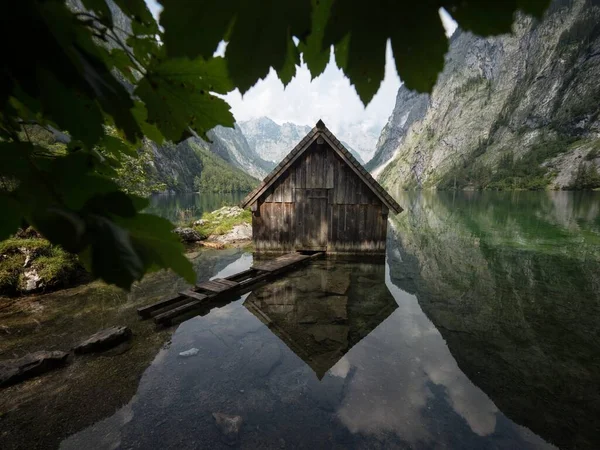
479	331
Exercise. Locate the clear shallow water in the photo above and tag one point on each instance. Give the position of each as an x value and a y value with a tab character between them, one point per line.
479	331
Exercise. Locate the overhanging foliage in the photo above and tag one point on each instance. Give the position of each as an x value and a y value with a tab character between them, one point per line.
104	72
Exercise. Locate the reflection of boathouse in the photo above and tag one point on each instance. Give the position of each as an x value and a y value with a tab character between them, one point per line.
324	310
320	198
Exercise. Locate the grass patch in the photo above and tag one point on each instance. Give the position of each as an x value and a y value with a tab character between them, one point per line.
37	245
11	267
525	173
57	268
217	222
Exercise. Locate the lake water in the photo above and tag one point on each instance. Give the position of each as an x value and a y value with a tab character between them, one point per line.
180	207
480	331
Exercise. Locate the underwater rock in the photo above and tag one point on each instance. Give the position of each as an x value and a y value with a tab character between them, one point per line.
191	352
187	234
229	426
338	282
103	340
31	365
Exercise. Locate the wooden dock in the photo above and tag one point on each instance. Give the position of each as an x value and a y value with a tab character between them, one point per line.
166	311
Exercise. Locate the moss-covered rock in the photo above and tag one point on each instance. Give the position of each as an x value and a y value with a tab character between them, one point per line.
29	263
222	221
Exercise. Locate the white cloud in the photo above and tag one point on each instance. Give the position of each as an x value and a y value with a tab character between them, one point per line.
448	22
154	7
329	97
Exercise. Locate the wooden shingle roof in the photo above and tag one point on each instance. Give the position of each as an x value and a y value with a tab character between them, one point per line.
320	130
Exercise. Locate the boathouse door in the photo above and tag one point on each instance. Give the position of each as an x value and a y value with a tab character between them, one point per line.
311	219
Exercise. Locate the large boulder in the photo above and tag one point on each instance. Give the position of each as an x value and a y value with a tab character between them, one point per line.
239	233
104	340
31	365
187	234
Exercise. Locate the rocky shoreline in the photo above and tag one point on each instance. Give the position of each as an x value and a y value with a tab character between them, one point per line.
227	226
29	264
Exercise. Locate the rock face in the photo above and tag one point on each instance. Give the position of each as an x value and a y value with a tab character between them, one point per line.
229	426
410	108
531	96
31	365
104	340
273	142
270	140
179	166
231	145
187	234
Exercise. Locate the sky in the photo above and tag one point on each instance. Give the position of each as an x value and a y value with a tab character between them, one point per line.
329	97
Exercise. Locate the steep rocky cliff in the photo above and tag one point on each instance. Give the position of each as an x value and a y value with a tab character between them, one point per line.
193	165
514	111
273	142
231	145
270	140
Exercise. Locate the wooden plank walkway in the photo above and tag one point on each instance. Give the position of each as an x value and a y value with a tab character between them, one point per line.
166	311
278	263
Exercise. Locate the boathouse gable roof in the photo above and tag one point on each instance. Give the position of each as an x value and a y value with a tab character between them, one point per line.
320	130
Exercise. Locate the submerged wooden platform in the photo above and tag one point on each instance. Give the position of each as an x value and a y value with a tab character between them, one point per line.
166	311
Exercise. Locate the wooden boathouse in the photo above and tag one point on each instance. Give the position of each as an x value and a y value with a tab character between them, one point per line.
320	198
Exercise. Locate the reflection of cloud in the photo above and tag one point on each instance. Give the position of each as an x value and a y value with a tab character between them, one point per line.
341	368
466	399
394	400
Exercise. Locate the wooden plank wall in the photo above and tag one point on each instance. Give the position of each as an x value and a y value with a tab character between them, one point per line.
351	216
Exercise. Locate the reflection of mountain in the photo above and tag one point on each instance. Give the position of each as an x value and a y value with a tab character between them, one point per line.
512	283
321	315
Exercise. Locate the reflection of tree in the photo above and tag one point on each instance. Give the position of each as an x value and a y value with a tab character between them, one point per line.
174	206
514	291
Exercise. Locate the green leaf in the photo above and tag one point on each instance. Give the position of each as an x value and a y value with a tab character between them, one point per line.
71	109
117	203
66	50
116	146
139	203
138	11
419	55
120	61
195	29
177	96
113	256
14	159
360	34
260	37
101	9
144	48
287	72
315	55
150	131
11	215
60	226
210	75
492	18
158	246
